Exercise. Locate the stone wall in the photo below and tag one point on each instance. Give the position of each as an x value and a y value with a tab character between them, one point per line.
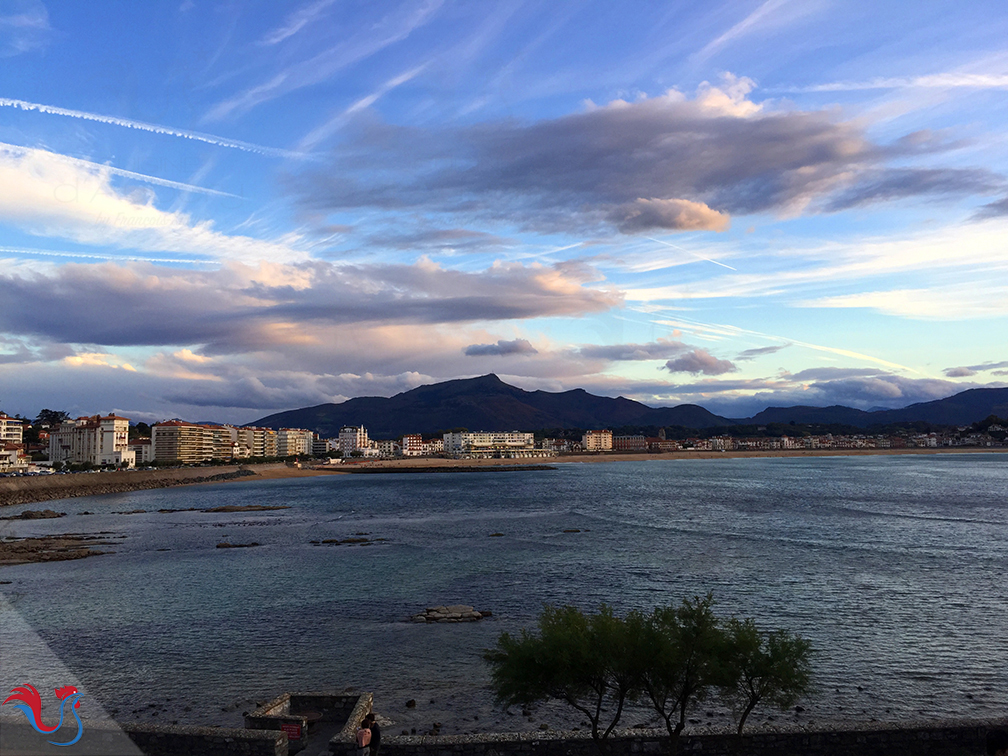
107	738
176	740
955	739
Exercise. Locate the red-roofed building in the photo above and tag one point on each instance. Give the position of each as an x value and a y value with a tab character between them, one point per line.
96	440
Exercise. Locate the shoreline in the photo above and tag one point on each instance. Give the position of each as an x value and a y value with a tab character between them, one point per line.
35	489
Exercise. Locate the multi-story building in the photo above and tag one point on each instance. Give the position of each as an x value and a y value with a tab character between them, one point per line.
96	440
431	447
489	444
388	448
143	450
413	445
293	442
13	458
225	441
320	446
259	442
597	440
353	439
179	441
629	443
11	430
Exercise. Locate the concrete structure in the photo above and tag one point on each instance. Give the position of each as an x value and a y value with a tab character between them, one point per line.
96	440
179	441
489	444
320	446
13	458
597	440
294	442
629	444
353	439
259	442
413	445
388	448
11	430
143	450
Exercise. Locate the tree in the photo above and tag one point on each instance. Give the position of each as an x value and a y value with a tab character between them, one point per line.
580	659
52	418
676	658
773	667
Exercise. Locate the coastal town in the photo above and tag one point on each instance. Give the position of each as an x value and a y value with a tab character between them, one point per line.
113	442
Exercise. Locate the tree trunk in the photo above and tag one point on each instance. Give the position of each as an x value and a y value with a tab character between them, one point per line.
745	715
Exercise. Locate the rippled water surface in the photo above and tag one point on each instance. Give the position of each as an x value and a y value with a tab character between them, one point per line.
894	567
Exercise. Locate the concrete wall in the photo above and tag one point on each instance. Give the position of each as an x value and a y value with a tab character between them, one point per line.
952	740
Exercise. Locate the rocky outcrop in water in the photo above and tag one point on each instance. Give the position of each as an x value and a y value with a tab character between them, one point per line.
453	613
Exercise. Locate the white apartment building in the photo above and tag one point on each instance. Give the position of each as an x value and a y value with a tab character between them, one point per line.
597	440
353	439
179	441
413	445
489	444
143	450
257	442
98	440
11	430
387	448
13	458
294	442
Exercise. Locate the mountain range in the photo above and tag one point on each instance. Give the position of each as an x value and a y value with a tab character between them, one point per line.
487	403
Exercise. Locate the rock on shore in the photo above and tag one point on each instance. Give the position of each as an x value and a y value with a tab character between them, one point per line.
453	613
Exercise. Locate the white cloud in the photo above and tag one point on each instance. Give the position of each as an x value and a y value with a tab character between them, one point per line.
24	26
966	302
295	22
951	80
50	195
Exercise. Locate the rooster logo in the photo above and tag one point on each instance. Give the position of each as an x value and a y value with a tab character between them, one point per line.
29	701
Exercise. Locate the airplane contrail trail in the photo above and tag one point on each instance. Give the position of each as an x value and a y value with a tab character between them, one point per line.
689	252
128	123
23	151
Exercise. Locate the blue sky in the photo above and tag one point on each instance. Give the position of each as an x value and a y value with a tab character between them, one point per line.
219	210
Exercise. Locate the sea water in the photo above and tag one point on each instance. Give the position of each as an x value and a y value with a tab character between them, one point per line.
895	567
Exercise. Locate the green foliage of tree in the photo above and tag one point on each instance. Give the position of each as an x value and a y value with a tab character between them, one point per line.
762	668
672	659
677	654
580	659
52	418
140	430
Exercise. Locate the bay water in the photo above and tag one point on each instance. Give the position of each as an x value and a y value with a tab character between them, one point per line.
895	567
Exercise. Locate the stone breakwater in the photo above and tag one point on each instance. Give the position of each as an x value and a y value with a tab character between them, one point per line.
28	490
454	613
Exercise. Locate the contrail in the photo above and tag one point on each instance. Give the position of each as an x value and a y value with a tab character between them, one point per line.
689	252
154	128
23	151
114	258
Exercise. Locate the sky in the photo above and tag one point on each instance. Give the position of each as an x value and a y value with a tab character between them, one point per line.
219	210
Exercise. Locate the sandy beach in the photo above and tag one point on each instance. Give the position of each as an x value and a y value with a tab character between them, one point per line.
32	489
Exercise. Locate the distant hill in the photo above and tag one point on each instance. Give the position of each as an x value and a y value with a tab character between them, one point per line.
964	408
487	403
